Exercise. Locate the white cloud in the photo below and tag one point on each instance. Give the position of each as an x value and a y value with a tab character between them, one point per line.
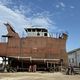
72	7
23	9
44	22
6	2
62	4
57	6
19	21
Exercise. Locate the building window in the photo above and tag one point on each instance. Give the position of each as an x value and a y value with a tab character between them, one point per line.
38	34
79	64
45	34
69	60
72	60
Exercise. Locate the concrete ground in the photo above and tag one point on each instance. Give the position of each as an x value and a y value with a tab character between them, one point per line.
37	76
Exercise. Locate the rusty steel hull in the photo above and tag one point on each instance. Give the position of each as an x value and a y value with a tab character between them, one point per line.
34	49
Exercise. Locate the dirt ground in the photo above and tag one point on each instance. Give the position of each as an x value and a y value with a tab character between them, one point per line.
37	76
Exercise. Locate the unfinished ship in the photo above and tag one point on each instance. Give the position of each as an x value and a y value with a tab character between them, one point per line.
37	51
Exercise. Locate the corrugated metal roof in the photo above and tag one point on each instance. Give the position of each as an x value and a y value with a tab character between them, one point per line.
70	52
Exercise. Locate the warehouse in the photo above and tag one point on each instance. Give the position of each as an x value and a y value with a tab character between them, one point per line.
74	57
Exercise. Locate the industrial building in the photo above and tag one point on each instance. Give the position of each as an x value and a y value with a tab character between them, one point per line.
74	57
37	51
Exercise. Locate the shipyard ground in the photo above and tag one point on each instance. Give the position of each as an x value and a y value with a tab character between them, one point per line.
37	76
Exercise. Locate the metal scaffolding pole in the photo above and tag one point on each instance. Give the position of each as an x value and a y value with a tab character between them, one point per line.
21	52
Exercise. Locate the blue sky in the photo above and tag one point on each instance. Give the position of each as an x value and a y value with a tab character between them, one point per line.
56	15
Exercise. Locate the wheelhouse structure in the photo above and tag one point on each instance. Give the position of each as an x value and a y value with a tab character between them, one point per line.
37	51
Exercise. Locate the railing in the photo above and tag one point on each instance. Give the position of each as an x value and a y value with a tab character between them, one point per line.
55	35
